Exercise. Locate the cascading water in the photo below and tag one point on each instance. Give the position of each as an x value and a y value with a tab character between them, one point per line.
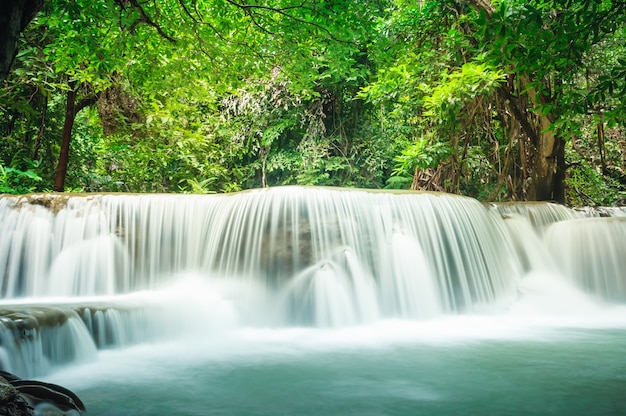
284	270
592	252
539	214
362	248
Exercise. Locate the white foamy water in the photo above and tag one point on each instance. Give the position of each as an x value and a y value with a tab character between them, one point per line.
286	272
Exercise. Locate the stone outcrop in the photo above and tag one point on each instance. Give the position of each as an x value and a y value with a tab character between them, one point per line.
11	402
35	398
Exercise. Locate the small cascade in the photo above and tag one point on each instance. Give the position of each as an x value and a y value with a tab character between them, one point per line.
35	339
89	267
338	292
558	245
58	247
613	211
603	211
118	327
529	245
402	293
591	252
322	295
540	214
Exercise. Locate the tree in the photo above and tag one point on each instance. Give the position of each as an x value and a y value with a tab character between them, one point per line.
435	99
72	108
91	43
486	99
542	46
15	15
526	115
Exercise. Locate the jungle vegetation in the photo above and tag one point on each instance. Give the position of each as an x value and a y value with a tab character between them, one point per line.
499	100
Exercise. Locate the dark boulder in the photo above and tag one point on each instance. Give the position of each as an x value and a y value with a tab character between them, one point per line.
29	397
11	402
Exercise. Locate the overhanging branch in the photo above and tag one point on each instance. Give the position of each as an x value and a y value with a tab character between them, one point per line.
283	11
144	18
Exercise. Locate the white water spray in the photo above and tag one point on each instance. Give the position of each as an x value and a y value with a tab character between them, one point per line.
138	268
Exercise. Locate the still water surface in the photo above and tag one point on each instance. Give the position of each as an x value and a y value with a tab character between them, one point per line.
460	366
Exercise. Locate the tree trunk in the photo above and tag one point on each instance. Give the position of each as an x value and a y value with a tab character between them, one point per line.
70	116
71	110
547	182
601	148
14	17
548	178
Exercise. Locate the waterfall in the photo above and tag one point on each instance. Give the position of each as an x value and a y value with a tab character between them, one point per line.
132	268
540	214
592	252
35	340
396	254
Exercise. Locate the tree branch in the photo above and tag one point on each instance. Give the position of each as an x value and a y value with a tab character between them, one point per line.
283	12
517	113
484	5
86	102
147	20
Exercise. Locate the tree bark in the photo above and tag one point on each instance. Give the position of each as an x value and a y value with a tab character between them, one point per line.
601	148
71	110
14	17
68	125
547	182
548	178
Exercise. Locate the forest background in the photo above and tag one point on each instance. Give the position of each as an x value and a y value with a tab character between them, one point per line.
498	100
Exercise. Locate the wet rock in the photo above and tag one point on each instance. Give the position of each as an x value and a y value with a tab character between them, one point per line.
11	402
9	377
40	395
35	398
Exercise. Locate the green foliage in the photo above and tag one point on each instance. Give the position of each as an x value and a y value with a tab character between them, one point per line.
220	97
430	92
198	187
593	180
399	182
587	186
444	66
556	42
14	180
458	88
422	154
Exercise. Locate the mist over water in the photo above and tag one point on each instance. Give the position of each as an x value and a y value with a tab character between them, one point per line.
317	301
477	364
537	357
